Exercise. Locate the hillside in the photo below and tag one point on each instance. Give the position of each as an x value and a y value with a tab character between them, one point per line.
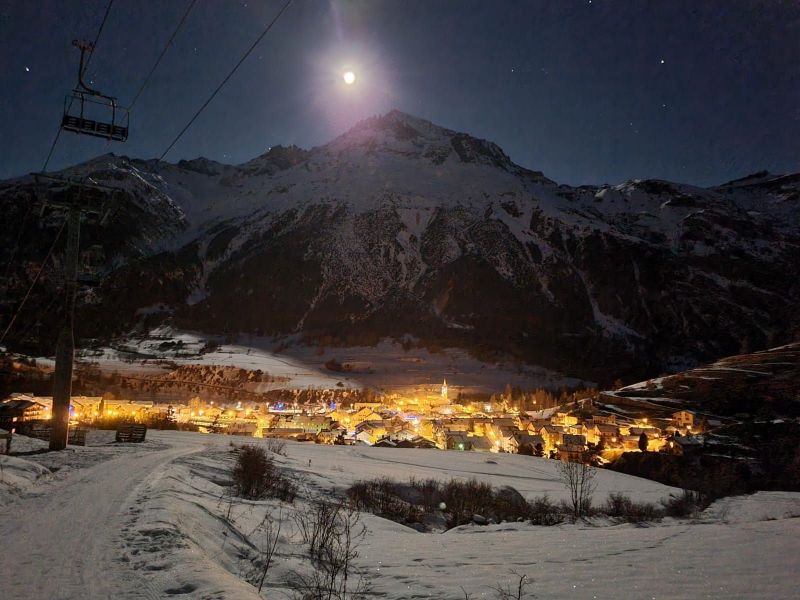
400	228
748	435
758	385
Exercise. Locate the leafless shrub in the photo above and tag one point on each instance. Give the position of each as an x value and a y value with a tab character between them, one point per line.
579	479
381	497
332	532
260	560
275	445
461	500
545	512
622	507
429	491
464	499
516	592
255	476
686	504
317	526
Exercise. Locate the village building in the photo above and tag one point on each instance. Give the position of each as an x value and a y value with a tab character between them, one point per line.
561	419
683	419
525	443
19	410
553	436
572	448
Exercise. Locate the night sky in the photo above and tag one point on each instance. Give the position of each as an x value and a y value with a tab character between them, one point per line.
593	91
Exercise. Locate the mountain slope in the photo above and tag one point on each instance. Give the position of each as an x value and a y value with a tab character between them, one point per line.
402	227
747	407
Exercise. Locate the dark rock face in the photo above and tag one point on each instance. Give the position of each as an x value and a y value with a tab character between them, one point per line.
402	227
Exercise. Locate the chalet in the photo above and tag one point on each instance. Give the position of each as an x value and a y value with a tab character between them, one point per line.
370	431
552	436
282	432
363	416
525	443
312	423
384	442
576	429
651	432
572	448
13	412
573	440
455	440
608	432
604	419
330	436
405	434
630	442
370	406
684	444
480	444
416	442
462	425
683	418
245	428
561	419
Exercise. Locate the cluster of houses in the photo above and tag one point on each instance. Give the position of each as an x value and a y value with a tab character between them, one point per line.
424	421
21	408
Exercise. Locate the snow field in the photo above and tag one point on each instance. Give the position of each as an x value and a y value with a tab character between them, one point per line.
155	521
671	559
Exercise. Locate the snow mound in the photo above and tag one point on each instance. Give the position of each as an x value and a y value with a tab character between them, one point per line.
761	506
17	475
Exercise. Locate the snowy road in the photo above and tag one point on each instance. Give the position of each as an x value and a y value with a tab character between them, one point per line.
84	514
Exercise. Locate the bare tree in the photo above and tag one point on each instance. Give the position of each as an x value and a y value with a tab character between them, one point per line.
519	592
317	526
332	531
272	533
579	479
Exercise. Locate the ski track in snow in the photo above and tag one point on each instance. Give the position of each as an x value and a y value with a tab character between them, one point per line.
63	540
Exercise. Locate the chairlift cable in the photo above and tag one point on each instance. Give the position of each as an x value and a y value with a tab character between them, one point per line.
35	280
38	320
19	239
163	52
52	147
99	32
224	81
94	45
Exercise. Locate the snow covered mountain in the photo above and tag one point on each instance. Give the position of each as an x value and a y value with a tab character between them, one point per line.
400	227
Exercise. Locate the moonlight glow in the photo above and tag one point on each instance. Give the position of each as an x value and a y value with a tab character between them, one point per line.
349	77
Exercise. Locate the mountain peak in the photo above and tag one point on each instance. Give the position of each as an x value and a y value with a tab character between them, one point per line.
398	132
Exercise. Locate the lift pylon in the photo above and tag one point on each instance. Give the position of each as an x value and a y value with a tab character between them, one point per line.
77	197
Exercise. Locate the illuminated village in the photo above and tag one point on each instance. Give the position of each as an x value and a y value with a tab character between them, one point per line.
428	418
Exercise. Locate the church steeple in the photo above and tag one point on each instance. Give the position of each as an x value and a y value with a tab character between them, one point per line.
444	389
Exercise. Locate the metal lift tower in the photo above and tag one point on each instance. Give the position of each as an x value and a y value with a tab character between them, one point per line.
78	198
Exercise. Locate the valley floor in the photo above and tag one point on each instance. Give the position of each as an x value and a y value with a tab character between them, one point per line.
154	521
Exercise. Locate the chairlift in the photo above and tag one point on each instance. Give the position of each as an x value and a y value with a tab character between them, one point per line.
86	110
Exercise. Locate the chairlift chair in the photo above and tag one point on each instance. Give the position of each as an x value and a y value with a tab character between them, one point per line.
84	103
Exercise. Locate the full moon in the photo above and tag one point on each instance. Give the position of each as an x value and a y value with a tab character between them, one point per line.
349	77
